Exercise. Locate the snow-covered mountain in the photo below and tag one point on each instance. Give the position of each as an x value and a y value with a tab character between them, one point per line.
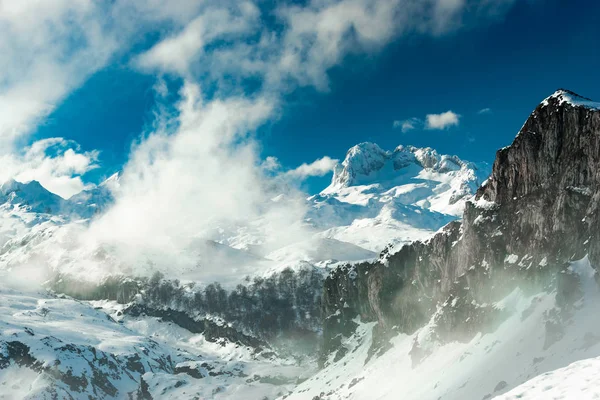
465	309
489	302
409	174
576	381
377	198
32	203
90	202
54	347
31	196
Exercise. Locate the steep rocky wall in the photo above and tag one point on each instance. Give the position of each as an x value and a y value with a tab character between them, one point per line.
537	211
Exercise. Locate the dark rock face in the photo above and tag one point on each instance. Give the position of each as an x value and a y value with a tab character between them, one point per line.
550	176
537	211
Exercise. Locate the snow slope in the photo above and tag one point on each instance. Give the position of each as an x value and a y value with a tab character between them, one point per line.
521	348
57	347
321	249
580	380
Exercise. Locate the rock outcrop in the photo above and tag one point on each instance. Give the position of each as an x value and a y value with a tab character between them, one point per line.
536	212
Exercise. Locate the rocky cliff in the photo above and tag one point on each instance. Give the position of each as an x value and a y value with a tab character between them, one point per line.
537	211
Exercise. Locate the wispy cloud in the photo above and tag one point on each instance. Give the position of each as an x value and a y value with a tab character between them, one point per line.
431	122
316	36
39	64
176	53
271	164
407	125
319	167
485	111
190	176
442	121
49	48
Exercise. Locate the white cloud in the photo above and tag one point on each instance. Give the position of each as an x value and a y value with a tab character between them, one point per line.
60	172
204	175
447	15
442	121
49	48
175	53
407	125
43	56
484	111
271	164
319	167
308	39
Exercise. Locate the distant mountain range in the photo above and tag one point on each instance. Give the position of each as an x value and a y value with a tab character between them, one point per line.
32	197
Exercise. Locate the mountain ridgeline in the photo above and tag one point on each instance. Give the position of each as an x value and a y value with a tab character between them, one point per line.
537	212
32	196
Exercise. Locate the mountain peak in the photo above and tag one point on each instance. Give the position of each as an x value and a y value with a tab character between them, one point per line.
112	182
553	151
565	96
362	159
31	195
419	177
367	163
9	185
570	93
12	185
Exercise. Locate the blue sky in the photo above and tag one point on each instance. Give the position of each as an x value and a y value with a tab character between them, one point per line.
506	64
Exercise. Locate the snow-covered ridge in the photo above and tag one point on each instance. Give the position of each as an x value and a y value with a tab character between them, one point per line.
32	197
566	96
368	163
378	198
370	177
